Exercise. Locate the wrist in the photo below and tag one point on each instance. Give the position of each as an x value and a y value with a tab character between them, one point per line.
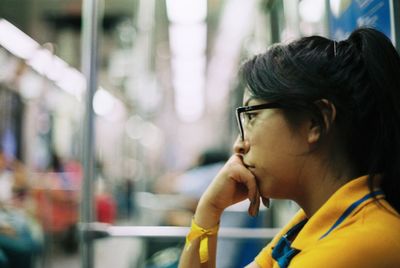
203	234
207	216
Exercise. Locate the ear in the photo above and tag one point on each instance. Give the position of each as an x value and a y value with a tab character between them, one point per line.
328	112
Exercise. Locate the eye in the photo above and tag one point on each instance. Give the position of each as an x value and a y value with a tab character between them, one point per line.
249	116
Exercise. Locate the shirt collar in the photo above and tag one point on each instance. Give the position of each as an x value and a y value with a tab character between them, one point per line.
331	210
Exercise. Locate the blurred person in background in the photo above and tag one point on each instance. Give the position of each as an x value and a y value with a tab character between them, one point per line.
21	237
104	201
321	127
57	199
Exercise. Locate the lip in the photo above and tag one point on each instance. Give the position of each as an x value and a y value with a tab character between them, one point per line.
249	166
252	169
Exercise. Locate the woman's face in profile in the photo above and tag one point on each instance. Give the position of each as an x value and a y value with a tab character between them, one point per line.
274	152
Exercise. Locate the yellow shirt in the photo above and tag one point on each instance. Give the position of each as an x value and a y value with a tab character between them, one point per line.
369	236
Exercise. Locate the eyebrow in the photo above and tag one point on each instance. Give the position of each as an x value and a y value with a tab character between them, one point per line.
248	100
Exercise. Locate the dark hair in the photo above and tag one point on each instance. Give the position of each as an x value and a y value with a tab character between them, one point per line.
360	76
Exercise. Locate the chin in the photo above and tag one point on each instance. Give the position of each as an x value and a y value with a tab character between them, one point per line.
269	191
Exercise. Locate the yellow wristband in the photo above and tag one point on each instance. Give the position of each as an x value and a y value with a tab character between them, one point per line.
198	232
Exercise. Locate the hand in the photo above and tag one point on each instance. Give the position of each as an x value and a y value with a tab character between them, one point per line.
232	184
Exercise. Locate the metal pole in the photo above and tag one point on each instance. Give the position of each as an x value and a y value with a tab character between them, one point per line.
395	22
102	230
274	20
90	22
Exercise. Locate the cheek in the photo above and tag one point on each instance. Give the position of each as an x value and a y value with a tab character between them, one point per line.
278	158
273	147
277	176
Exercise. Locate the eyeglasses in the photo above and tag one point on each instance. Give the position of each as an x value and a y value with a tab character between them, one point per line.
243	115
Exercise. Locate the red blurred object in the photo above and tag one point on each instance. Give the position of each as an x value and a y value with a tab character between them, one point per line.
57	209
57	201
105	208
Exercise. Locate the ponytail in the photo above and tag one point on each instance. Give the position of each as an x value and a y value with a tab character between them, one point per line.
378	112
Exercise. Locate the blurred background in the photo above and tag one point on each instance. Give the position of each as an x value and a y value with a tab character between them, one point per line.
164	119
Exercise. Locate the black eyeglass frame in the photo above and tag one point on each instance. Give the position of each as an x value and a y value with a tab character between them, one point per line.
244	109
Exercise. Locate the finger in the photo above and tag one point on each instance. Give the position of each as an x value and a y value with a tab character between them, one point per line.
247	178
244	176
254	207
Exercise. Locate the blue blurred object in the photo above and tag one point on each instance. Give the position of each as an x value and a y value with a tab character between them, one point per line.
343	19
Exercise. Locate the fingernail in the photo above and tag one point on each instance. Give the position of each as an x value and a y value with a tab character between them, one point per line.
251	211
254	210
266	202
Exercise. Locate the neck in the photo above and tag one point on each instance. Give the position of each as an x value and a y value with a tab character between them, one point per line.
321	182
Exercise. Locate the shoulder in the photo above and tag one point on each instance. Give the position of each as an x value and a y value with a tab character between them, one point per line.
362	249
338	255
378	223
371	240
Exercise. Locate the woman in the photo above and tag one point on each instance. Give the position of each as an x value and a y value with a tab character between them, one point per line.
321	126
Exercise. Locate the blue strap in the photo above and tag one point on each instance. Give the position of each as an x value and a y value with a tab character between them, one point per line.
350	209
282	253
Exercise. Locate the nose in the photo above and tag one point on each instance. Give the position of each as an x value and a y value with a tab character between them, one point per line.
240	146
